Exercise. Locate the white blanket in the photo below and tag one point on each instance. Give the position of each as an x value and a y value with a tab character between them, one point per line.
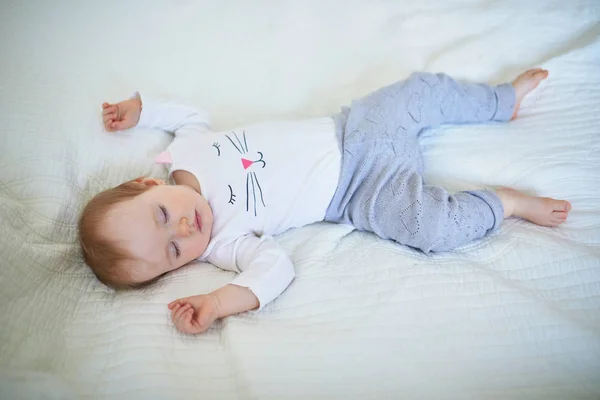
513	316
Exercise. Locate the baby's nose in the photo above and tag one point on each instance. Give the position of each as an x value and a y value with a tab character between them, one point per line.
184	228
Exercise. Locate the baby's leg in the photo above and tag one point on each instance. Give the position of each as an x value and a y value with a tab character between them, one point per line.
426	100
431	219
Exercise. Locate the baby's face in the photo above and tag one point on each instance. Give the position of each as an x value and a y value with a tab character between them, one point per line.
162	229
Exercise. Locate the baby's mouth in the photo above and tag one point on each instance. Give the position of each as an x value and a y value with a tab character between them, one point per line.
198	221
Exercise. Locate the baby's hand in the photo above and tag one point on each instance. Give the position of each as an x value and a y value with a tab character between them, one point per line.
194	314
121	116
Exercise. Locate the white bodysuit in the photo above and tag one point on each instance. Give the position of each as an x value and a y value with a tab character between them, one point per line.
259	180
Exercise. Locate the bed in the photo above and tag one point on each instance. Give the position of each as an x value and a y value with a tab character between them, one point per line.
515	315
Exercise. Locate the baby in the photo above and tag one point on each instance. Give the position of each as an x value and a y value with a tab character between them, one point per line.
235	189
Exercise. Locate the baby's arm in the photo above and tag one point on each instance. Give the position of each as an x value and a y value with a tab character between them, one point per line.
266	271
165	115
265	267
196	314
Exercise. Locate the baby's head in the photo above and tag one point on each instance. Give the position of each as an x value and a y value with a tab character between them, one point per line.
141	229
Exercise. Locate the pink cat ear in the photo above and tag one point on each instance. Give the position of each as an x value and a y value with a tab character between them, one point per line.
164	158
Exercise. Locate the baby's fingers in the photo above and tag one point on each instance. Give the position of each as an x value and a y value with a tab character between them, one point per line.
107	125
109	117
173	304
184	321
180	311
118	126
176	308
188	324
109	109
183	300
174	312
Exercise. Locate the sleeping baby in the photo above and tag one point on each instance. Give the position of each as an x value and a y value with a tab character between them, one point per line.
234	190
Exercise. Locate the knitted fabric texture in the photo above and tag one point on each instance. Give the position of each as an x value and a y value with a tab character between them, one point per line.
381	187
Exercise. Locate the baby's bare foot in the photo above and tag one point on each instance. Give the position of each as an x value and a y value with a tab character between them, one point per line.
525	83
539	210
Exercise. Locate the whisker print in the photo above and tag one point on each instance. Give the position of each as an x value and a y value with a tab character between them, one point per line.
253	195
239	142
246	144
234	145
247	197
259	189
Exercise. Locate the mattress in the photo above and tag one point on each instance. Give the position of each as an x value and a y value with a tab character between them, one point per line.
515	315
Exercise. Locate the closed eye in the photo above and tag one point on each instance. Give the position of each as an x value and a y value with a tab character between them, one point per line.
231	195
216	146
175	249
165	213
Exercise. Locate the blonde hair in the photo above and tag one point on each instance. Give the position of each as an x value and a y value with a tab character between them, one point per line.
104	256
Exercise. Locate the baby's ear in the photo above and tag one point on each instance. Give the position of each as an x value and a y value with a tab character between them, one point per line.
150	181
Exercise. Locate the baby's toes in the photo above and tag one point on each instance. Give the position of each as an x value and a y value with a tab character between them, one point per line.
557	218
560	215
559	205
540	75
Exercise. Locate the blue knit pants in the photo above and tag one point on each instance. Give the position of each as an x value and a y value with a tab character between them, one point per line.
381	187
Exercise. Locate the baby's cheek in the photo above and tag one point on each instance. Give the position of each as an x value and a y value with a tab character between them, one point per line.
197	247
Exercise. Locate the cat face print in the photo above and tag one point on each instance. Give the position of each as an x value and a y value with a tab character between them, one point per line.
251	162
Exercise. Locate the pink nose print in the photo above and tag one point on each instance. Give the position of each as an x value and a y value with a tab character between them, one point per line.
246	163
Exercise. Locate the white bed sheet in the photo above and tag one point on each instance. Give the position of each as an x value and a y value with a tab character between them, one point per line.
515	315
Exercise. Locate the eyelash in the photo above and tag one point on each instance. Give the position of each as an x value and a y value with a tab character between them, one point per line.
231	195
177	252
163	209
165	213
216	146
